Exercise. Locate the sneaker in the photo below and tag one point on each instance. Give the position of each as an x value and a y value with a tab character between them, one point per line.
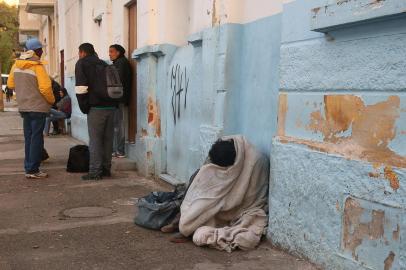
119	155
89	177
106	173
114	154
38	175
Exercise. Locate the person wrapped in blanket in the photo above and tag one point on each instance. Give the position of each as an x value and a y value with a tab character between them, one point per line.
225	206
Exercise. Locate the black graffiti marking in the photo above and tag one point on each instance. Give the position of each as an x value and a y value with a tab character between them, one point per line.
179	86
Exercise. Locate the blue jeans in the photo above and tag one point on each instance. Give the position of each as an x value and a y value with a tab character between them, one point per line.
54	115
33	123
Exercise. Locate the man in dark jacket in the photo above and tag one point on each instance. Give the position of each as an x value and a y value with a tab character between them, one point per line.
91	89
117	55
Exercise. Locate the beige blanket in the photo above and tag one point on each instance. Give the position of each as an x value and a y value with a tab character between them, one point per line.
225	207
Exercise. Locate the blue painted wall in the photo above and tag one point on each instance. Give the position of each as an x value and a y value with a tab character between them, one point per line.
232	75
339	200
78	119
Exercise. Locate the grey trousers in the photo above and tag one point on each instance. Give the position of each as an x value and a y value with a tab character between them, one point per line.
100	124
119	137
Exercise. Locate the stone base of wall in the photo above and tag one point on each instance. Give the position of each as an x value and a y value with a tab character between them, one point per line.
339	213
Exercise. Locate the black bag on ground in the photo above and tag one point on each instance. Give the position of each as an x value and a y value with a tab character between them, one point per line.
78	159
159	208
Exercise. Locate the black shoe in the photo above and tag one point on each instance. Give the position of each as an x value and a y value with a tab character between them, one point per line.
89	177
106	173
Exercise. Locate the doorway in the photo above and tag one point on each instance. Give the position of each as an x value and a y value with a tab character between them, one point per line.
132	45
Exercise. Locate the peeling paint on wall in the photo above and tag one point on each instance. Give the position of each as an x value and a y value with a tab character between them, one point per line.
351	128
154	116
371	229
356	231
387	173
389	261
283	108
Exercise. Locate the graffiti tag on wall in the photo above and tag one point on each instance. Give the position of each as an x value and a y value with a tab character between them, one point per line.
179	87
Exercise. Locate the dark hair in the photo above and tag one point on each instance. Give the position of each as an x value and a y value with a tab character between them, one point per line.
87	48
119	48
222	153
64	91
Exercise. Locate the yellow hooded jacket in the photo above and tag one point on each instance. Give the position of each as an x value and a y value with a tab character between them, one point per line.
32	84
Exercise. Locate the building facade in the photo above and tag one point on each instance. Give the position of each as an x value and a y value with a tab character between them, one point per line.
318	86
39	18
338	163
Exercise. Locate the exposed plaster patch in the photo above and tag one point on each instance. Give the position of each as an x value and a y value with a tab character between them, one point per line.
392	177
371	127
389	261
283	108
356	231
386	173
154	116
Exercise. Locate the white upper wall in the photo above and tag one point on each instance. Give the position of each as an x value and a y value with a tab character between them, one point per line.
172	21
158	21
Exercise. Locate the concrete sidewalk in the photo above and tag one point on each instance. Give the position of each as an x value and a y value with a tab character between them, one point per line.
65	223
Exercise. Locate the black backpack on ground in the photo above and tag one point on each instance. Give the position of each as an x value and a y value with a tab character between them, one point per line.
78	159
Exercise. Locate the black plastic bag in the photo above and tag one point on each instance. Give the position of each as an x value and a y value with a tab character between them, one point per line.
159	208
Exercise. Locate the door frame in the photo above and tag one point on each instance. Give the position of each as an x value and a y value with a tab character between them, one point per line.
132	45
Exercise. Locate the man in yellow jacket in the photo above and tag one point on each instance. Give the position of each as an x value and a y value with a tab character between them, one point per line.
32	85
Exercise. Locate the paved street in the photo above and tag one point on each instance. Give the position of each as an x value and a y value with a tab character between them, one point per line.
36	231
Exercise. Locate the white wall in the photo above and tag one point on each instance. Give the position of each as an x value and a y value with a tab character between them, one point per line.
120	23
172	21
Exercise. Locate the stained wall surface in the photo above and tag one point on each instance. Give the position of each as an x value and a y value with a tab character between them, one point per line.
338	161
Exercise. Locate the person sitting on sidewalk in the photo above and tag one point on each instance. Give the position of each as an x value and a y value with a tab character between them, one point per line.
32	85
9	94
56	87
225	206
63	110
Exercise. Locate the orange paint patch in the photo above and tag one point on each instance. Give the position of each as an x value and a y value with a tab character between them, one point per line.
372	126
374	174
392	177
355	231
388	174
282	111
389	261
154	116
